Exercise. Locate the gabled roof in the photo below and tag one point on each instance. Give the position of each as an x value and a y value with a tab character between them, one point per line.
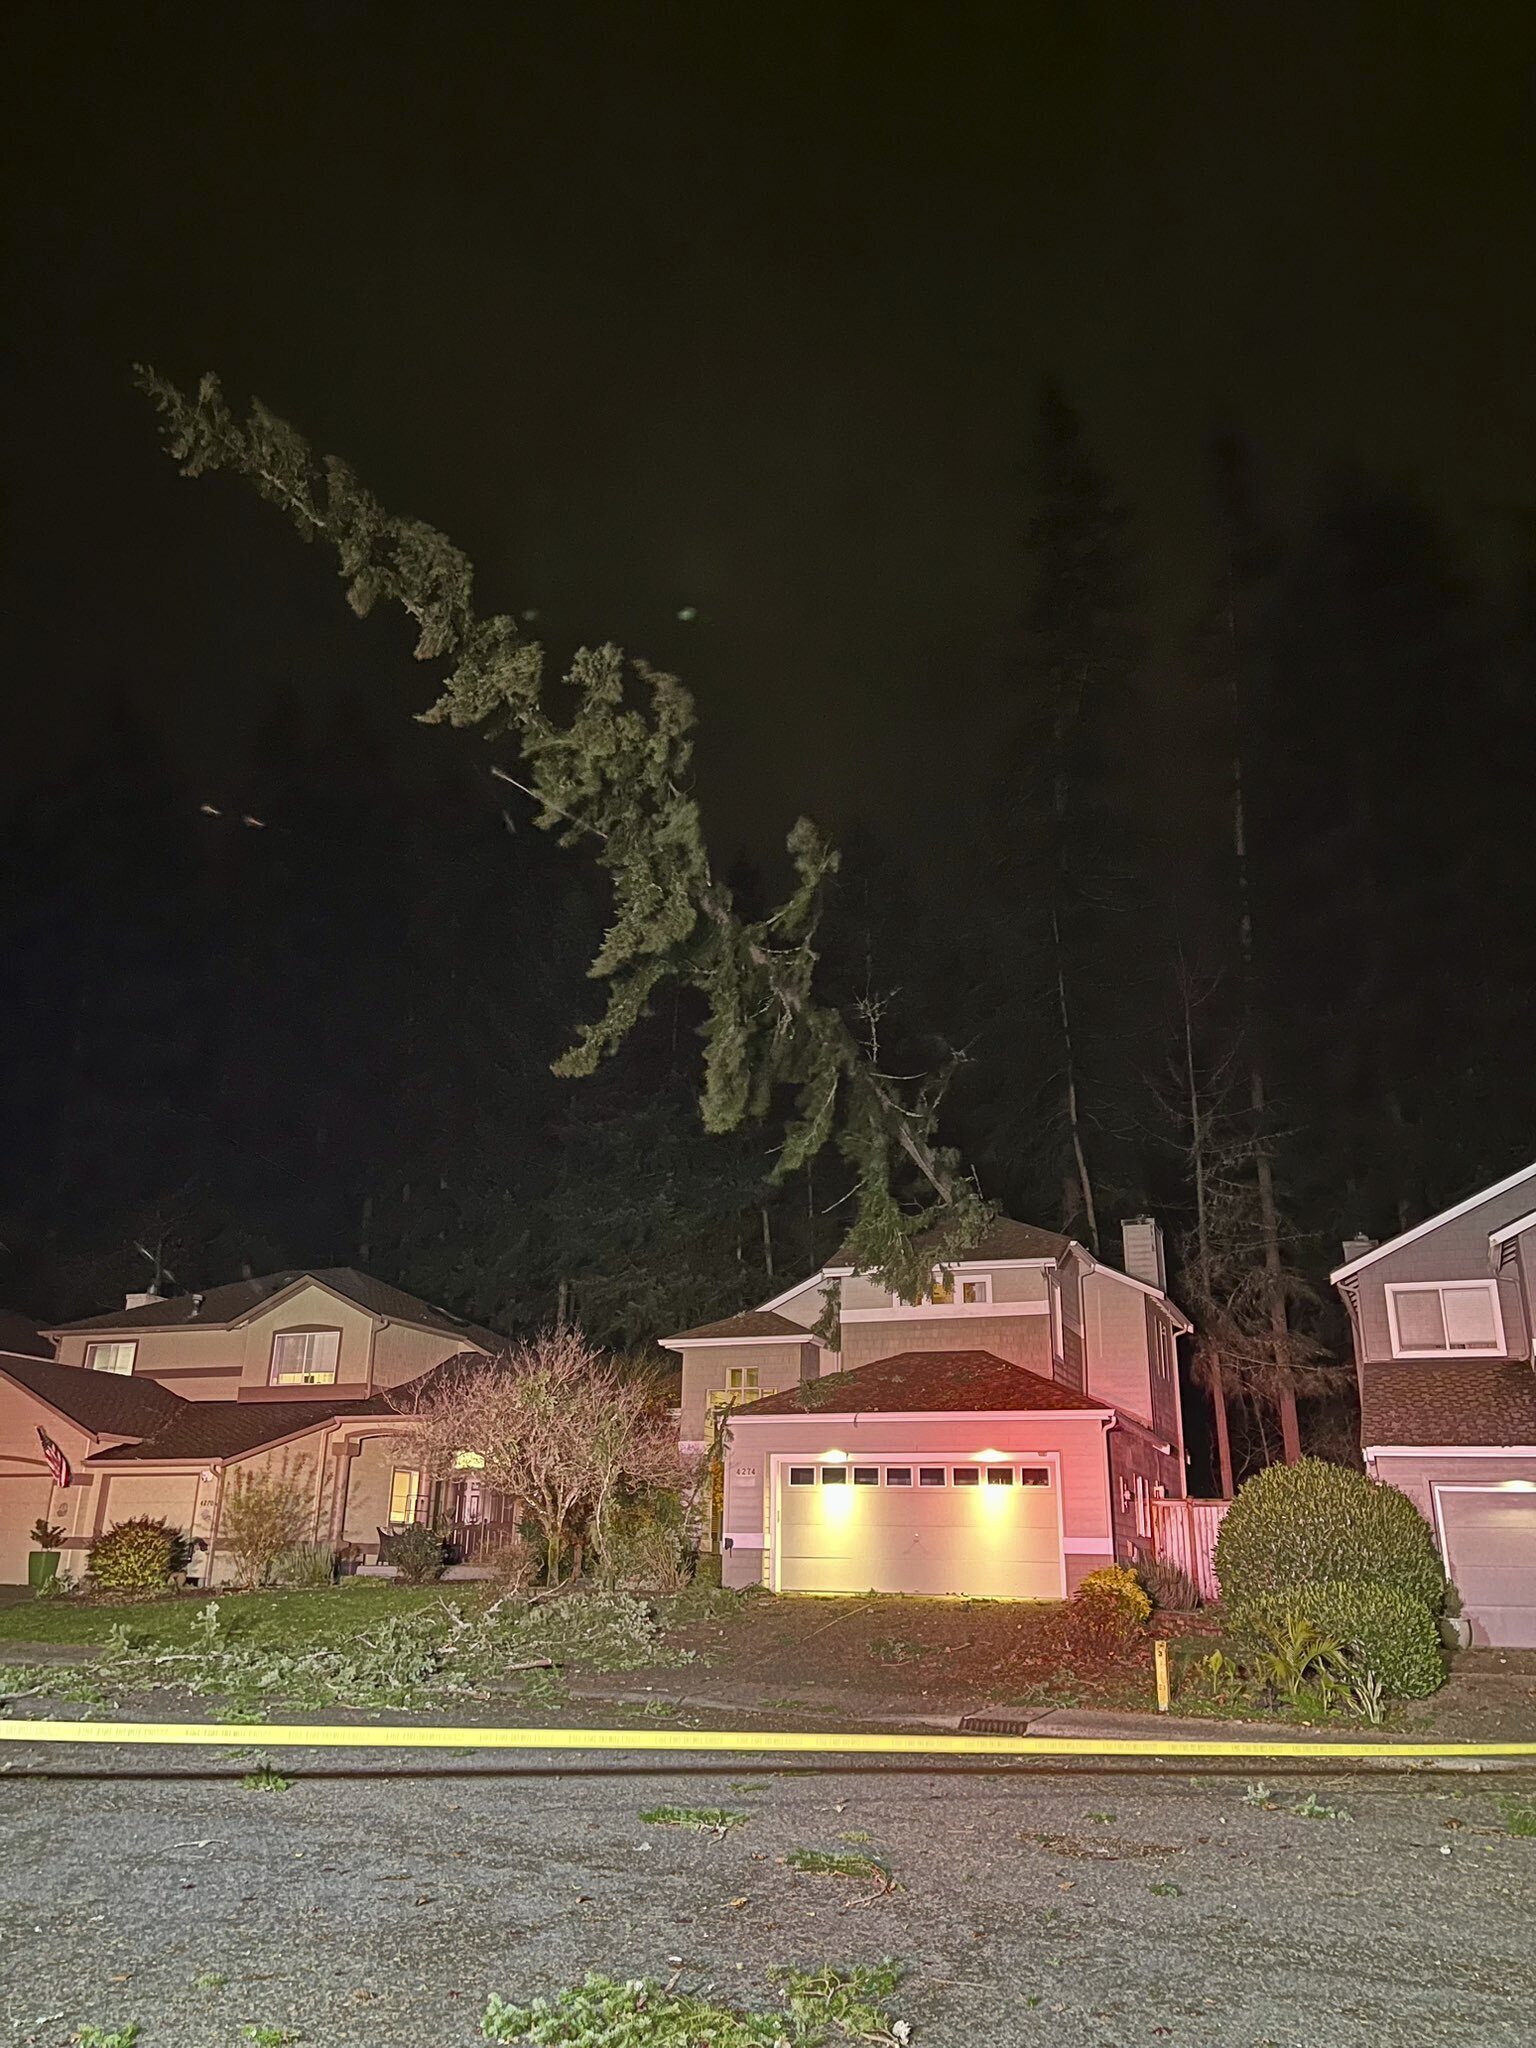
235	1302
20	1335
233	1429
1002	1239
928	1383
1392	1244
751	1323
102	1403
1475	1402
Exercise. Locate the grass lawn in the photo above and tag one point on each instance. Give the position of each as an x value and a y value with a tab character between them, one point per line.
289	1620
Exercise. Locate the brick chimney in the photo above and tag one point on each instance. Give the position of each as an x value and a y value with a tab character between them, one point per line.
1141	1238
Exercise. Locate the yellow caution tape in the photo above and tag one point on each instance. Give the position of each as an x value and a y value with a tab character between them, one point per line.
731	1741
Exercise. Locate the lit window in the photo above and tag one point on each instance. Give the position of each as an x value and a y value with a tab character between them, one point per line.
1034	1475
802	1475
742	1379
999	1475
1058	1340
975	1290
109	1357
834	1475
898	1475
404	1495
1449	1319
967	1475
942	1292
866	1475
930	1475
305	1358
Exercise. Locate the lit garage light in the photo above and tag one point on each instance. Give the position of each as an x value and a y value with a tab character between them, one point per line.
834	1457
1517	1486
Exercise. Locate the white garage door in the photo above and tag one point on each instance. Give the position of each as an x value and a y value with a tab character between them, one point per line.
22	1500
1490	1542
903	1525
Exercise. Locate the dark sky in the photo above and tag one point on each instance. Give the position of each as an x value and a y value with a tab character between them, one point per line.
739	307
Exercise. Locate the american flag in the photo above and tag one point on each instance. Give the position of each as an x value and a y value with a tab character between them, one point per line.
58	1464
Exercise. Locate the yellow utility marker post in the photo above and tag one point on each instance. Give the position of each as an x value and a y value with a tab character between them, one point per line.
1160	1665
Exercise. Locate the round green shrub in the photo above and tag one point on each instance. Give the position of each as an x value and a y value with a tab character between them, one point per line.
1312	1523
1392	1634
137	1554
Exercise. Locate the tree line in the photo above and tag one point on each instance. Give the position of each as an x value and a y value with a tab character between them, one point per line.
1227	923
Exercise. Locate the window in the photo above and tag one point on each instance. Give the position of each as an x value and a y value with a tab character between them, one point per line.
742	1379
1143	1507
866	1475
942	1292
999	1475
834	1475
802	1475
1057	1341
1164	1350
967	1475
930	1475
305	1358
1034	1475
110	1357
976	1289
1446	1319
404	1495
898	1475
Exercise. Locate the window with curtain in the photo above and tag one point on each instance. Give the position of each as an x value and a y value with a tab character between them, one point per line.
305	1358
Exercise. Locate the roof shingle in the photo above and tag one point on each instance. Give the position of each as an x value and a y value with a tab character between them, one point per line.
105	1403
233	1429
1456	1401
927	1383
752	1322
220	1306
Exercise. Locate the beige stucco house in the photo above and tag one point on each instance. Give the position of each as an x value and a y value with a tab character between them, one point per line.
1003	1437
152	1408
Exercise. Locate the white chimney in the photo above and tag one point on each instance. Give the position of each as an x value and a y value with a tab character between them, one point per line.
1357	1247
141	1300
1142	1256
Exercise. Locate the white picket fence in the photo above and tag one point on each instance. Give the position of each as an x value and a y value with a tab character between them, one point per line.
1184	1533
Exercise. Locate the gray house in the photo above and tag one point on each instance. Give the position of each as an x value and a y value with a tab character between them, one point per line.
1445	1351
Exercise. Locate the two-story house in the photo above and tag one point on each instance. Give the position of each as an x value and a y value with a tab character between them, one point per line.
1000	1438
151	1409
1445	1354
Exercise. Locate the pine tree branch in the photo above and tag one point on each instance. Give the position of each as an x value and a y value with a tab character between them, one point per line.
616	772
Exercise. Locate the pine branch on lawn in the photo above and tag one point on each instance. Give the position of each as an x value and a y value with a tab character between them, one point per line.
614	776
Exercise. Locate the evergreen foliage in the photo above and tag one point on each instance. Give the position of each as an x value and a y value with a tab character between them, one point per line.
1389	1632
137	1555
614	775
1311	1523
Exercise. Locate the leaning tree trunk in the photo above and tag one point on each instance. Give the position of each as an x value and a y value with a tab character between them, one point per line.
1223	1430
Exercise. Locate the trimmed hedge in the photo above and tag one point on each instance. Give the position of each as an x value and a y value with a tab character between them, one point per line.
1392	1634
1314	1523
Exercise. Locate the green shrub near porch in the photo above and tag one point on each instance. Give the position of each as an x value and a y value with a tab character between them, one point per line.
1390	1633
1314	1523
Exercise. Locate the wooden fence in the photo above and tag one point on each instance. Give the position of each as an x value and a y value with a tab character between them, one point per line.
1184	1534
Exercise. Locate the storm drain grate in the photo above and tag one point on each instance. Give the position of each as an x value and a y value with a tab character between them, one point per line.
992	1724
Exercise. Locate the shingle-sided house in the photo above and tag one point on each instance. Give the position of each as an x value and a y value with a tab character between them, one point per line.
1001	1438
1445	1352
152	1408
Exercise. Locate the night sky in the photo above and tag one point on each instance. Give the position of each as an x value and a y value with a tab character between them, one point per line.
741	309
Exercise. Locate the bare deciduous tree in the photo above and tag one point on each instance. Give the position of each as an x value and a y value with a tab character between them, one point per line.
553	1423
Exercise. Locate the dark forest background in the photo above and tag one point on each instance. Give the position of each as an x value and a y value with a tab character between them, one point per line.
1187	894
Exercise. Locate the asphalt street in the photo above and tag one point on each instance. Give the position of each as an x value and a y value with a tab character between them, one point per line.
1086	1909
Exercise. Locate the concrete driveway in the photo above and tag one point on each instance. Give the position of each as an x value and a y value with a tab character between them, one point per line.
1071	1909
